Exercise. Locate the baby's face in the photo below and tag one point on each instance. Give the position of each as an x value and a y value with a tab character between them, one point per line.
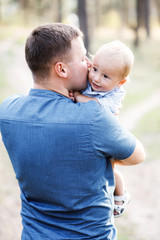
105	73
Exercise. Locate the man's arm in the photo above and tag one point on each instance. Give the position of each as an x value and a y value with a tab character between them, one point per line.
138	156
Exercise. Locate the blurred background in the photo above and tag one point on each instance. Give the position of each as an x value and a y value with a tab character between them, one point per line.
137	24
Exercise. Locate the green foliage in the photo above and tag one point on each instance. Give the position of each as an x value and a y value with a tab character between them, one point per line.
150	123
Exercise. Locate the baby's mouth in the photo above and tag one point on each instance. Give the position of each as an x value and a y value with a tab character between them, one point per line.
95	85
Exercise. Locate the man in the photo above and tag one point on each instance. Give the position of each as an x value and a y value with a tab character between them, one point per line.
59	149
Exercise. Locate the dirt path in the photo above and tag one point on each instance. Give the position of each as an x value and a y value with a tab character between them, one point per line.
142	215
10	221
142	181
143	212
131	117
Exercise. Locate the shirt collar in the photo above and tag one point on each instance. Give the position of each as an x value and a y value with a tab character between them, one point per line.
43	92
94	92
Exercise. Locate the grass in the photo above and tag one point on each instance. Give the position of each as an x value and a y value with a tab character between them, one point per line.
125	232
150	123
148	130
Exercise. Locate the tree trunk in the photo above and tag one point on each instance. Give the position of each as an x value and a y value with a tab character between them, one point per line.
147	17
157	3
0	11
138	11
82	14
25	8
143	18
39	8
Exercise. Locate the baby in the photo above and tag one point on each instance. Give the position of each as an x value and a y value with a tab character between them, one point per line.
111	67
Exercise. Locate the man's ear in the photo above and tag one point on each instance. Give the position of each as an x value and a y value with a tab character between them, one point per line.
121	82
61	69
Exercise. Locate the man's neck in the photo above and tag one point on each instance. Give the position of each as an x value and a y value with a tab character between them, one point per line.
60	90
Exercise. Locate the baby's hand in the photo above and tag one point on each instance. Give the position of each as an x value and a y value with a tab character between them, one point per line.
71	95
117	113
76	94
78	97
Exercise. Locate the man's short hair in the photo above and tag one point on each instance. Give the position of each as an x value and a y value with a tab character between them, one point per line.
48	44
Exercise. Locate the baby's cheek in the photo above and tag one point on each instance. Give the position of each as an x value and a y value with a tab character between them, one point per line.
90	74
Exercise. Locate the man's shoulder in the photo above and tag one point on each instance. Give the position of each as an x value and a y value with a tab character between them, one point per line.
9	102
11	99
94	112
90	107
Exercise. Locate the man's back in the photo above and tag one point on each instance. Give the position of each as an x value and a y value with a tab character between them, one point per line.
65	179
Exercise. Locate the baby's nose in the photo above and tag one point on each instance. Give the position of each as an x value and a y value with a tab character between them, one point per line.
97	79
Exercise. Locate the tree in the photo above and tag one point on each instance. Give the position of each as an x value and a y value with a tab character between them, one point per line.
39	8
147	17
157	3
25	6
82	14
0	11
143	18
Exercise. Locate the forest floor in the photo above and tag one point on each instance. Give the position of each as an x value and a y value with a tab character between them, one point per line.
141	219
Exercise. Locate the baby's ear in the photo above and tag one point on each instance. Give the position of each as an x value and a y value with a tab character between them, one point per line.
121	82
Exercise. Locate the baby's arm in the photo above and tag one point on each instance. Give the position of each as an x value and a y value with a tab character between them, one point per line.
78	97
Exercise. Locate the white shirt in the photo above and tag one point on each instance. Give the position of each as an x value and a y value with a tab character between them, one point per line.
112	99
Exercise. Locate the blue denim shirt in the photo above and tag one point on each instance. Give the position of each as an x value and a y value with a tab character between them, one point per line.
60	154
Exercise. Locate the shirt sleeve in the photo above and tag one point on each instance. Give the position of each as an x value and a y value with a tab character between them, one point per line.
109	103
109	138
113	99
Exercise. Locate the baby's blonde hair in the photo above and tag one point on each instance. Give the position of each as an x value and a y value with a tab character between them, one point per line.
118	50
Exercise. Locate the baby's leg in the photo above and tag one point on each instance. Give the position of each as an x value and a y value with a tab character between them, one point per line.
119	183
121	196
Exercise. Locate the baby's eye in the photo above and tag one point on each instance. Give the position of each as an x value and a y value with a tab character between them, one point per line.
105	76
95	69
